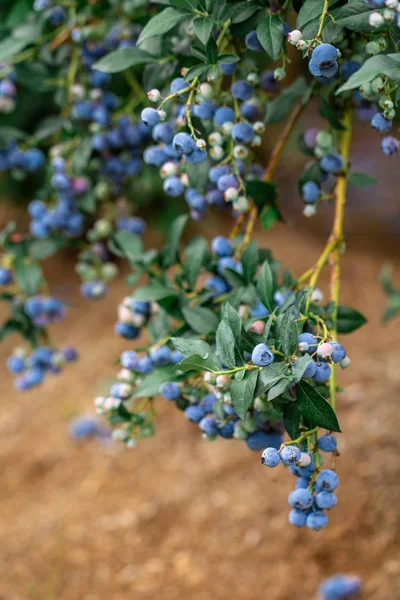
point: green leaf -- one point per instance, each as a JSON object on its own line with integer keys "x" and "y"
{"x": 225, "y": 343}
{"x": 331, "y": 114}
{"x": 242, "y": 392}
{"x": 278, "y": 389}
{"x": 154, "y": 291}
{"x": 9, "y": 327}
{"x": 249, "y": 260}
{"x": 310, "y": 10}
{"x": 174, "y": 239}
{"x": 382, "y": 64}
{"x": 34, "y": 76}
{"x": 292, "y": 419}
{"x": 264, "y": 193}
{"x": 18, "y": 12}
{"x": 129, "y": 244}
{"x": 315, "y": 408}
{"x": 122, "y": 59}
{"x": 212, "y": 51}
{"x": 278, "y": 108}
{"x": 201, "y": 320}
{"x": 269, "y": 216}
{"x": 82, "y": 155}
{"x": 150, "y": 384}
{"x": 268, "y": 326}
{"x": 195, "y": 362}
{"x": 203, "y": 27}
{"x": 198, "y": 175}
{"x": 196, "y": 255}
{"x": 244, "y": 10}
{"x": 349, "y": 319}
{"x": 355, "y": 16}
{"x": 12, "y": 46}
{"x": 227, "y": 59}
{"x": 10, "y": 134}
{"x": 47, "y": 127}
{"x": 394, "y": 33}
{"x": 361, "y": 180}
{"x": 301, "y": 366}
{"x": 161, "y": 23}
{"x": 193, "y": 72}
{"x": 270, "y": 35}
{"x": 40, "y": 249}
{"x": 190, "y": 5}
{"x": 265, "y": 286}
{"x": 288, "y": 332}
{"x": 189, "y": 346}
{"x": 270, "y": 375}
{"x": 28, "y": 276}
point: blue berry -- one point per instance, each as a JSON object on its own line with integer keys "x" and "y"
{"x": 70, "y": 353}
{"x": 5, "y": 276}
{"x": 170, "y": 391}
{"x": 83, "y": 427}
{"x": 228, "y": 68}
{"x": 252, "y": 42}
{"x": 327, "y": 480}
{"x": 340, "y": 586}
{"x": 208, "y": 402}
{"x": 195, "y": 413}
{"x": 297, "y": 517}
{"x": 270, "y": 457}
{"x": 184, "y": 144}
{"x": 227, "y": 262}
{"x": 224, "y": 114}
{"x": 173, "y": 186}
{"x": 160, "y": 355}
{"x": 327, "y": 443}
{"x": 163, "y": 132}
{"x": 218, "y": 285}
{"x": 332, "y": 163}
{"x": 324, "y": 55}
{"x": 145, "y": 365}
{"x": 176, "y": 357}
{"x": 308, "y": 343}
{"x": 290, "y": 455}
{"x": 326, "y": 500}
{"x": 380, "y": 123}
{"x": 196, "y": 157}
{"x": 209, "y": 426}
{"x": 389, "y": 145}
{"x": 15, "y": 364}
{"x": 338, "y": 352}
{"x": 129, "y": 359}
{"x": 302, "y": 483}
{"x": 301, "y": 499}
{"x": 257, "y": 441}
{"x": 241, "y": 90}
{"x": 221, "y": 246}
{"x": 177, "y": 85}
{"x": 150, "y": 117}
{"x": 226, "y": 431}
{"x": 310, "y": 192}
{"x": 322, "y": 372}
{"x": 259, "y": 311}
{"x": 127, "y": 330}
{"x": 317, "y": 520}
{"x": 243, "y": 133}
{"x": 268, "y": 83}
{"x": 262, "y": 355}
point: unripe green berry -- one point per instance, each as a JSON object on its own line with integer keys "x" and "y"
{"x": 373, "y": 48}
{"x": 103, "y": 228}
{"x": 324, "y": 139}
{"x": 377, "y": 84}
{"x": 279, "y": 74}
{"x": 109, "y": 270}
{"x": 389, "y": 114}
{"x": 102, "y": 190}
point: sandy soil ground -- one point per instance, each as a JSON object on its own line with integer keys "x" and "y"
{"x": 182, "y": 518}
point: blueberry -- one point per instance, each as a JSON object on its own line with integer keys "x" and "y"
{"x": 15, "y": 364}
{"x": 317, "y": 520}
{"x": 322, "y": 373}
{"x": 178, "y": 84}
{"x": 195, "y": 200}
{"x": 302, "y": 483}
{"x": 37, "y": 209}
{"x": 259, "y": 311}
{"x": 226, "y": 431}
{"x": 208, "y": 402}
{"x": 33, "y": 306}
{"x": 227, "y": 181}
{"x": 241, "y": 90}
{"x": 250, "y": 111}
{"x": 348, "y": 68}
{"x": 160, "y": 355}
{"x": 270, "y": 457}
{"x": 338, "y": 352}
{"x": 145, "y": 365}
{"x": 34, "y": 376}
{"x": 5, "y": 276}
{"x": 195, "y": 413}
{"x": 257, "y": 441}
{"x": 70, "y": 353}
{"x": 389, "y": 145}
{"x": 327, "y": 443}
{"x": 310, "y": 192}
{"x": 297, "y": 517}
{"x": 268, "y": 83}
{"x": 184, "y": 144}
{"x": 332, "y": 163}
{"x": 380, "y": 123}
{"x": 153, "y": 155}
{"x": 310, "y": 369}
{"x": 204, "y": 111}
{"x": 209, "y": 426}
{"x": 170, "y": 391}
{"x": 301, "y": 499}
{"x": 83, "y": 110}
{"x": 326, "y": 500}
{"x": 127, "y": 330}
{"x": 327, "y": 480}
{"x": 129, "y": 359}
{"x": 252, "y": 42}
{"x": 221, "y": 246}
{"x": 243, "y": 133}
{"x": 308, "y": 343}
{"x": 340, "y": 586}
{"x": 150, "y": 117}
{"x": 262, "y": 355}
{"x": 229, "y": 263}
{"x": 228, "y": 68}
{"x": 163, "y": 132}
{"x": 34, "y": 159}
{"x": 196, "y": 157}
{"x": 83, "y": 427}
{"x": 324, "y": 55}
{"x": 224, "y": 114}
{"x": 290, "y": 455}
{"x": 218, "y": 285}
{"x": 173, "y": 186}
{"x": 323, "y": 74}
{"x": 274, "y": 440}
{"x": 176, "y": 357}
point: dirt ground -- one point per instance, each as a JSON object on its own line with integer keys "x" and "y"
{"x": 182, "y": 518}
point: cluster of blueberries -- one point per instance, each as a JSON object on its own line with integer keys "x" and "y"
{"x": 339, "y": 587}
{"x": 88, "y": 426}
{"x": 27, "y": 161}
{"x": 8, "y": 93}
{"x": 32, "y": 369}
{"x": 65, "y": 217}
{"x": 314, "y": 491}
{"x": 175, "y": 150}
{"x": 44, "y": 310}
{"x": 390, "y": 14}
{"x": 322, "y": 353}
{"x": 132, "y": 316}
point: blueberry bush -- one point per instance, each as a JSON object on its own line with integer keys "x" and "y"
{"x": 102, "y": 102}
